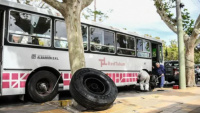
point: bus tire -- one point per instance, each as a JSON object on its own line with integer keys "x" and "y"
{"x": 93, "y": 89}
{"x": 40, "y": 86}
{"x": 153, "y": 82}
{"x": 151, "y": 86}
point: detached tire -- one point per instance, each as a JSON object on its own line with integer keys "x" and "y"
{"x": 93, "y": 89}
{"x": 40, "y": 86}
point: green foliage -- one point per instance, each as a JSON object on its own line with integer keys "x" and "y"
{"x": 148, "y": 35}
{"x": 157, "y": 38}
{"x": 171, "y": 51}
{"x": 89, "y": 13}
{"x": 169, "y": 7}
{"x": 125, "y": 28}
{"x": 197, "y": 57}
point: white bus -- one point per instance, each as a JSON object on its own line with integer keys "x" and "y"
{"x": 34, "y": 40}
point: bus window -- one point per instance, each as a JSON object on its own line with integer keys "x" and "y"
{"x": 29, "y": 29}
{"x": 41, "y": 26}
{"x": 161, "y": 54}
{"x": 146, "y": 46}
{"x": 20, "y": 23}
{"x": 139, "y": 45}
{"x": 102, "y": 40}
{"x": 85, "y": 36}
{"x": 125, "y": 45}
{"x": 143, "y": 48}
{"x": 60, "y": 38}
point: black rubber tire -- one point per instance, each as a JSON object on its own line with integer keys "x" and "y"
{"x": 33, "y": 82}
{"x": 151, "y": 86}
{"x": 152, "y": 83}
{"x": 196, "y": 79}
{"x": 83, "y": 84}
{"x": 176, "y": 82}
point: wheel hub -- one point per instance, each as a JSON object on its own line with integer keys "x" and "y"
{"x": 43, "y": 87}
{"x": 95, "y": 85}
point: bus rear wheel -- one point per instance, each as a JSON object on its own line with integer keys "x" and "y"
{"x": 41, "y": 86}
{"x": 153, "y": 82}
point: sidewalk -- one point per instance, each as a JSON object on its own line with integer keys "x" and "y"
{"x": 168, "y": 101}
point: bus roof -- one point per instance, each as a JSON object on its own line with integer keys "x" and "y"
{"x": 58, "y": 15}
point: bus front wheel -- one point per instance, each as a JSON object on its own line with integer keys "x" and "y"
{"x": 42, "y": 86}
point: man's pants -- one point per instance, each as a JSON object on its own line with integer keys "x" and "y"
{"x": 162, "y": 81}
{"x": 144, "y": 83}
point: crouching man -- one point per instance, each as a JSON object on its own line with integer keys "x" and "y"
{"x": 144, "y": 80}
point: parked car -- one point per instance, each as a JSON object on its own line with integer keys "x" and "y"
{"x": 196, "y": 72}
{"x": 172, "y": 71}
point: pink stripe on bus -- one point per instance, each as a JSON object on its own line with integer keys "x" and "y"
{"x": 117, "y": 75}
{"x": 22, "y": 84}
{"x": 14, "y": 76}
{"x": 16, "y": 85}
{"x": 6, "y": 76}
{"x": 66, "y": 82}
{"x": 114, "y": 79}
{"x": 25, "y": 78}
{"x": 66, "y": 76}
{"x": 5, "y": 85}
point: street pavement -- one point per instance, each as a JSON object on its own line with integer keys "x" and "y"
{"x": 129, "y": 101}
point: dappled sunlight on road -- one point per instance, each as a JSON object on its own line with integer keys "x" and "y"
{"x": 169, "y": 100}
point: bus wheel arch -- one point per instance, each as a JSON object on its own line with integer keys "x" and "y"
{"x": 46, "y": 68}
{"x": 49, "y": 77}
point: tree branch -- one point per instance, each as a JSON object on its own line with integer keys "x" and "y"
{"x": 168, "y": 21}
{"x": 55, "y": 4}
{"x": 196, "y": 30}
{"x": 171, "y": 23}
{"x": 85, "y": 3}
{"x": 18, "y": 1}
{"x": 197, "y": 41}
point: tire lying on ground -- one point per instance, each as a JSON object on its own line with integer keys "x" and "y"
{"x": 93, "y": 89}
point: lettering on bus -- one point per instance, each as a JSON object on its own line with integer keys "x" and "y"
{"x": 109, "y": 63}
{"x": 48, "y": 57}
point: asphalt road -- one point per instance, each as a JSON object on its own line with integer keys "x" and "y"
{"x": 13, "y": 101}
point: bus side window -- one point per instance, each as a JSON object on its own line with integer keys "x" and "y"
{"x": 35, "y": 41}
{"x": 125, "y": 45}
{"x": 102, "y": 40}
{"x": 143, "y": 48}
{"x": 29, "y": 29}
{"x": 60, "y": 38}
{"x": 16, "y": 38}
{"x": 85, "y": 36}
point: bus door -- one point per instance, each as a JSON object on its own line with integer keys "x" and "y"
{"x": 157, "y": 55}
{"x": 2, "y": 12}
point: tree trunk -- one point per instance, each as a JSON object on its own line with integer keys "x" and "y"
{"x": 190, "y": 75}
{"x": 71, "y": 10}
{"x": 75, "y": 41}
{"x": 95, "y": 9}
